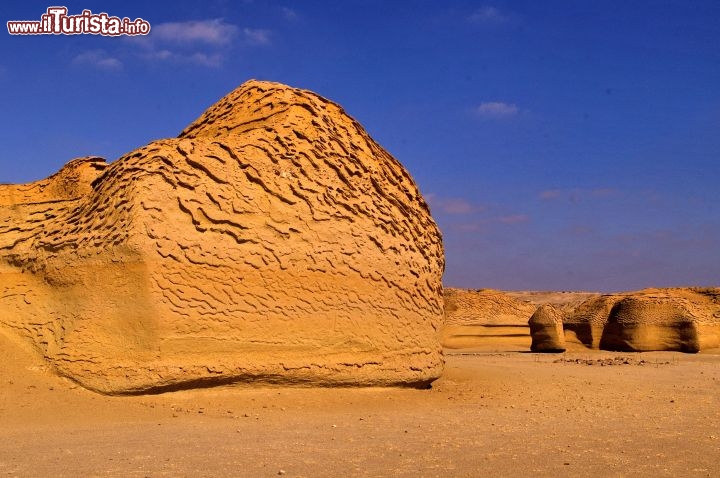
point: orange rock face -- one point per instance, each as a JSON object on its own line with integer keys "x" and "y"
{"x": 272, "y": 241}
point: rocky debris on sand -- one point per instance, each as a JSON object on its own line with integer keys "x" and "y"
{"x": 609, "y": 361}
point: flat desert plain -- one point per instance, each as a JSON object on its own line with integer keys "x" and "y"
{"x": 493, "y": 413}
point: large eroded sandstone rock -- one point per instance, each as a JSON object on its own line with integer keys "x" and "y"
{"x": 272, "y": 241}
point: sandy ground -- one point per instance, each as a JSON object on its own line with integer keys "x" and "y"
{"x": 492, "y": 414}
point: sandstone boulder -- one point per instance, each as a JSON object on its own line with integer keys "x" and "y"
{"x": 682, "y": 319}
{"x": 546, "y": 330}
{"x": 272, "y": 241}
{"x": 585, "y": 324}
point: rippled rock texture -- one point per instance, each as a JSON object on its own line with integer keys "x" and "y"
{"x": 272, "y": 241}
{"x": 546, "y": 329}
{"x": 681, "y": 319}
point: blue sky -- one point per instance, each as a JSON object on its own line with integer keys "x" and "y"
{"x": 568, "y": 145}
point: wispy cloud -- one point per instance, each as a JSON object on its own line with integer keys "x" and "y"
{"x": 550, "y": 194}
{"x": 476, "y": 226}
{"x": 197, "y": 42}
{"x": 497, "y": 109}
{"x": 256, "y": 36}
{"x": 513, "y": 219}
{"x": 575, "y": 195}
{"x": 211, "y": 32}
{"x": 488, "y": 225}
{"x": 488, "y": 14}
{"x": 465, "y": 216}
{"x": 451, "y": 206}
{"x": 695, "y": 236}
{"x": 213, "y": 60}
{"x": 99, "y": 59}
{"x": 289, "y": 13}
{"x": 208, "y": 59}
{"x": 579, "y": 230}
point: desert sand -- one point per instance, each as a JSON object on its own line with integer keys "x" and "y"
{"x": 490, "y": 414}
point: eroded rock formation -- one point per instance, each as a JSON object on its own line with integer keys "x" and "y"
{"x": 273, "y": 240}
{"x": 546, "y": 329}
{"x": 679, "y": 319}
{"x": 485, "y": 318}
{"x": 683, "y": 319}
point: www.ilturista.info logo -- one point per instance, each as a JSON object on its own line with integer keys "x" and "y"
{"x": 57, "y": 22}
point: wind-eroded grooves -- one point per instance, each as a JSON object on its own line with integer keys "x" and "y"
{"x": 273, "y": 240}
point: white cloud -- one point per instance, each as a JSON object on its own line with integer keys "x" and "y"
{"x": 497, "y": 109}
{"x": 514, "y": 219}
{"x": 196, "y": 42}
{"x": 488, "y": 14}
{"x": 575, "y": 195}
{"x": 289, "y": 13}
{"x": 99, "y": 59}
{"x": 212, "y": 60}
{"x": 160, "y": 55}
{"x": 256, "y": 36}
{"x": 550, "y": 194}
{"x": 210, "y": 32}
{"x": 451, "y": 206}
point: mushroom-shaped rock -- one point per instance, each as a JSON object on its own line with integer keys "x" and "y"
{"x": 272, "y": 241}
{"x": 546, "y": 329}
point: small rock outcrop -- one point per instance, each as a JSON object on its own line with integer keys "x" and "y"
{"x": 272, "y": 241}
{"x": 546, "y": 330}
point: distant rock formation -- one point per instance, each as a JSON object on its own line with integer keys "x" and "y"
{"x": 681, "y": 319}
{"x": 546, "y": 330}
{"x": 485, "y": 318}
{"x": 272, "y": 241}
{"x": 498, "y": 320}
{"x": 564, "y": 301}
